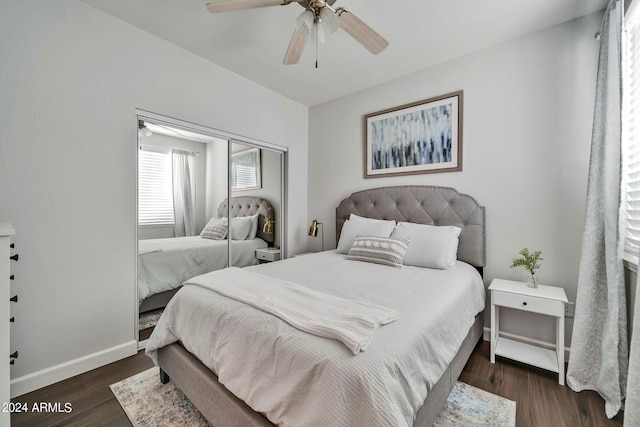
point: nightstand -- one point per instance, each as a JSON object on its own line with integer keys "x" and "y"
{"x": 268, "y": 254}
{"x": 547, "y": 300}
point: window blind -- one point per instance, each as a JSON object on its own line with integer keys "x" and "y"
{"x": 245, "y": 169}
{"x": 631, "y": 130}
{"x": 155, "y": 191}
{"x": 246, "y": 176}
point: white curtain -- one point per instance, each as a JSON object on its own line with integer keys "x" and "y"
{"x": 184, "y": 193}
{"x": 632, "y": 404}
{"x": 599, "y": 352}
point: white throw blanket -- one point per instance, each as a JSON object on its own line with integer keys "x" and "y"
{"x": 351, "y": 322}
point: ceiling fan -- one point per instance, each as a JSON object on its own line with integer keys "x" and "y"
{"x": 318, "y": 20}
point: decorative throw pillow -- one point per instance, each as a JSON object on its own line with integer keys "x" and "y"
{"x": 354, "y": 228}
{"x": 379, "y": 250}
{"x": 213, "y": 221}
{"x": 215, "y": 232}
{"x": 431, "y": 246}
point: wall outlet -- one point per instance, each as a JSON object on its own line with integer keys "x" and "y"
{"x": 569, "y": 309}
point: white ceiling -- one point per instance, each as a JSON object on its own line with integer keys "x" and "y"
{"x": 421, "y": 34}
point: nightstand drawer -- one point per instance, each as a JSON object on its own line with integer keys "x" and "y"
{"x": 528, "y": 303}
{"x": 267, "y": 255}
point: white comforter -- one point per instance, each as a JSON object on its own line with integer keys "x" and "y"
{"x": 164, "y": 264}
{"x": 298, "y": 379}
{"x": 350, "y": 322}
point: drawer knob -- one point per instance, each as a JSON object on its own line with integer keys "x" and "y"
{"x": 524, "y": 303}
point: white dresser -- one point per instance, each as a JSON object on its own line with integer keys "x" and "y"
{"x": 6, "y": 231}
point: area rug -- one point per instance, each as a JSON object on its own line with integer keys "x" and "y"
{"x": 147, "y": 402}
{"x": 149, "y": 319}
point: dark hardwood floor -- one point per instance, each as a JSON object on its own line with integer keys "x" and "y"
{"x": 144, "y": 334}
{"x": 541, "y": 401}
{"x": 93, "y": 403}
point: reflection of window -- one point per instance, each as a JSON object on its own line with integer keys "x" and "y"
{"x": 245, "y": 169}
{"x": 631, "y": 130}
{"x": 155, "y": 193}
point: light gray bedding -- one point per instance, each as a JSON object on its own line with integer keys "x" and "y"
{"x": 296, "y": 378}
{"x": 164, "y": 264}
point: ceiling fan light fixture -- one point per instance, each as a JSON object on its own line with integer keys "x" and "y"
{"x": 318, "y": 20}
{"x": 143, "y": 130}
{"x": 330, "y": 20}
{"x": 306, "y": 18}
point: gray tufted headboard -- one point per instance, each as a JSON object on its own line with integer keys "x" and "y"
{"x": 423, "y": 205}
{"x": 247, "y": 206}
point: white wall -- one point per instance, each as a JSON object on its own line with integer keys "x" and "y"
{"x": 71, "y": 80}
{"x": 217, "y": 176}
{"x": 527, "y": 121}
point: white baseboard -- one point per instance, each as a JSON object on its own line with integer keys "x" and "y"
{"x": 45, "y": 377}
{"x": 550, "y": 346}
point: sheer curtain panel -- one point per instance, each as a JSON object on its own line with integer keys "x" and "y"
{"x": 632, "y": 137}
{"x": 599, "y": 352}
{"x": 632, "y": 404}
{"x": 184, "y": 193}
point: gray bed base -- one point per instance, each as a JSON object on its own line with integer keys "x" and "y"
{"x": 417, "y": 204}
{"x": 223, "y": 409}
{"x": 157, "y": 301}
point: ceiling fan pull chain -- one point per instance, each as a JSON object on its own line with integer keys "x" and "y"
{"x": 316, "y": 25}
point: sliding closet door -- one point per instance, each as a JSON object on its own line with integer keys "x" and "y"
{"x": 189, "y": 179}
{"x": 182, "y": 184}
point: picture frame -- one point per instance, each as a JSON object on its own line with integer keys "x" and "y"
{"x": 417, "y": 138}
{"x": 246, "y": 169}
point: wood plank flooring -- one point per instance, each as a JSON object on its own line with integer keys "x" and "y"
{"x": 541, "y": 401}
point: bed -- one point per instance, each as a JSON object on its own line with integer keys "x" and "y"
{"x": 164, "y": 264}
{"x": 391, "y": 383}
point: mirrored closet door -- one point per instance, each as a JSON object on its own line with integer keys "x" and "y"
{"x": 206, "y": 200}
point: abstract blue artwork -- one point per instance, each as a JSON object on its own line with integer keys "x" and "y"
{"x": 422, "y": 137}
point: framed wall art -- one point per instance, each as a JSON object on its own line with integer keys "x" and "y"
{"x": 246, "y": 170}
{"x": 421, "y": 137}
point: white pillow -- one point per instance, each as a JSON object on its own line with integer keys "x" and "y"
{"x": 213, "y": 222}
{"x": 354, "y": 217}
{"x": 370, "y": 227}
{"x": 240, "y": 227}
{"x": 431, "y": 246}
{"x": 254, "y": 227}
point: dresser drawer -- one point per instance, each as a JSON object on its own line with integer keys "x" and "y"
{"x": 528, "y": 303}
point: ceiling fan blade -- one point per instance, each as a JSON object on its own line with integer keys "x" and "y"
{"x": 219, "y": 6}
{"x": 364, "y": 34}
{"x": 296, "y": 45}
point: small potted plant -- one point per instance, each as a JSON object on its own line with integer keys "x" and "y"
{"x": 529, "y": 261}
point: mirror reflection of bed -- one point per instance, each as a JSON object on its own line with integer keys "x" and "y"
{"x": 165, "y": 263}
{"x": 183, "y": 210}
